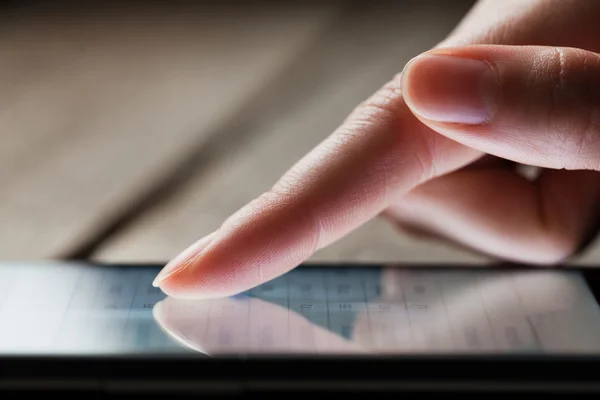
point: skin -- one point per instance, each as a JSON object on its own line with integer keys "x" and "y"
{"x": 435, "y": 150}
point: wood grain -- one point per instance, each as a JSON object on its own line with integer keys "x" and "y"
{"x": 102, "y": 100}
{"x": 363, "y": 50}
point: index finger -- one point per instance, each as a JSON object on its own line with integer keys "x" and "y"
{"x": 378, "y": 153}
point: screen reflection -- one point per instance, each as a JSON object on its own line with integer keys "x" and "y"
{"x": 59, "y": 308}
{"x": 393, "y": 311}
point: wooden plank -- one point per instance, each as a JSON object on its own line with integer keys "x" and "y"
{"x": 364, "y": 49}
{"x": 101, "y": 100}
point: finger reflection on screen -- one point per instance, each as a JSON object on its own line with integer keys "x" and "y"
{"x": 480, "y": 311}
{"x": 246, "y": 326}
{"x": 394, "y": 311}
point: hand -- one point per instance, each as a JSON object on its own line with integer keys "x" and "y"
{"x": 435, "y": 150}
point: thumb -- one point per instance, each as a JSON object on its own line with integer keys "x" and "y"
{"x": 530, "y": 104}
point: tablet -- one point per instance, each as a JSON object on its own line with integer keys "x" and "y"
{"x": 105, "y": 327}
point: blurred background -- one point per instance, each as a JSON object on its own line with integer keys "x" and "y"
{"x": 130, "y": 129}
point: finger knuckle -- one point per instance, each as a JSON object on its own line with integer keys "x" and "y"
{"x": 386, "y": 108}
{"x": 574, "y": 112}
{"x": 383, "y": 105}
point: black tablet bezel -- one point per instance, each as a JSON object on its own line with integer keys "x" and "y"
{"x": 194, "y": 374}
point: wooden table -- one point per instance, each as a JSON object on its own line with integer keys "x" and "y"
{"x": 129, "y": 130}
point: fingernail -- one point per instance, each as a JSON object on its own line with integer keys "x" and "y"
{"x": 450, "y": 89}
{"x": 184, "y": 259}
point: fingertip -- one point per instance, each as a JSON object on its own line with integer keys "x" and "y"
{"x": 183, "y": 259}
{"x": 206, "y": 278}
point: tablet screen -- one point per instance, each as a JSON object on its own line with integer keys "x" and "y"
{"x": 58, "y": 308}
